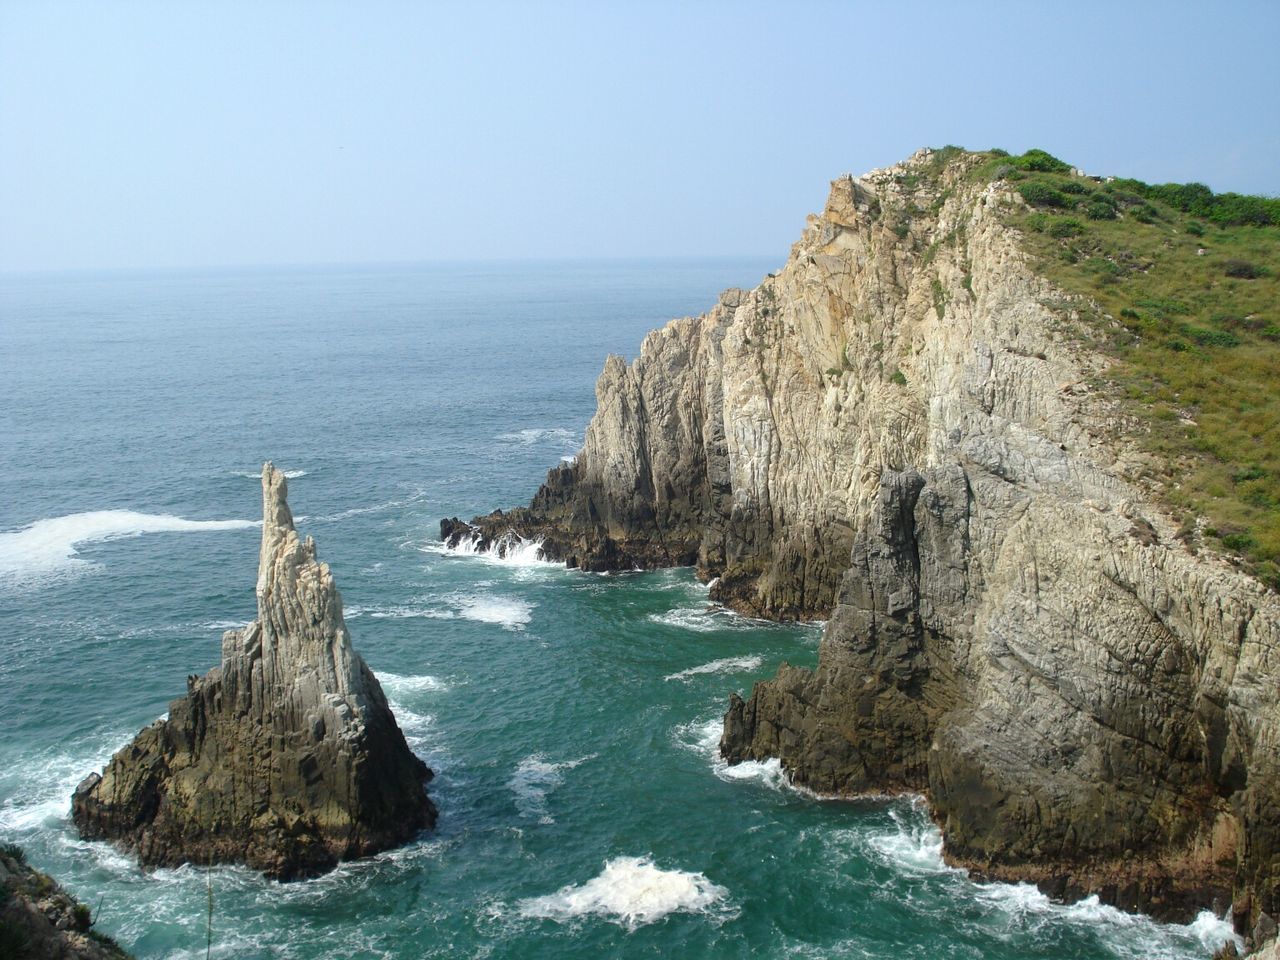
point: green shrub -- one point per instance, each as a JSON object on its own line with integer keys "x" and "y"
{"x": 1041, "y": 162}
{"x": 1243, "y": 269}
{"x": 1065, "y": 227}
{"x": 899, "y": 378}
{"x": 11, "y": 851}
{"x": 1039, "y": 222}
{"x": 1195, "y": 228}
{"x": 1100, "y": 211}
{"x": 84, "y": 920}
{"x": 1040, "y": 194}
{"x": 1213, "y": 338}
{"x": 1073, "y": 186}
{"x": 1238, "y": 542}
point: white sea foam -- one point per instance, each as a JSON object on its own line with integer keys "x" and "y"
{"x": 630, "y": 891}
{"x": 47, "y": 547}
{"x": 703, "y": 736}
{"x": 416, "y": 727}
{"x": 724, "y": 665}
{"x": 43, "y": 796}
{"x": 531, "y": 436}
{"x": 534, "y": 778}
{"x": 223, "y": 624}
{"x": 510, "y": 551}
{"x": 407, "y": 613}
{"x": 257, "y": 474}
{"x": 506, "y": 612}
{"x": 913, "y": 846}
{"x": 396, "y": 685}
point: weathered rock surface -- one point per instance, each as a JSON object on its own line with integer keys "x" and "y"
{"x": 41, "y": 921}
{"x": 286, "y": 757}
{"x": 899, "y": 430}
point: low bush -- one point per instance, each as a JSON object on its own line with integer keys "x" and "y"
{"x": 1041, "y": 162}
{"x": 1100, "y": 211}
{"x": 1040, "y": 194}
{"x": 1065, "y": 227}
{"x": 1243, "y": 269}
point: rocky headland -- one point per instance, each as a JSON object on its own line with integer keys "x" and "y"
{"x": 905, "y": 431}
{"x": 286, "y": 757}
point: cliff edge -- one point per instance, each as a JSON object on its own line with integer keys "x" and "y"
{"x": 286, "y": 757}
{"x": 904, "y": 430}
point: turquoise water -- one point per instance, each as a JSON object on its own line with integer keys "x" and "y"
{"x": 571, "y": 718}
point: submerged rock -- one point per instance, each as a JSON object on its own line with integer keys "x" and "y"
{"x": 286, "y": 757}
{"x": 901, "y": 431}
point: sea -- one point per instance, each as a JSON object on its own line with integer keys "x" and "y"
{"x": 572, "y": 719}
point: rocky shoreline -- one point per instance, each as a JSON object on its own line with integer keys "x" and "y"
{"x": 286, "y": 757}
{"x": 900, "y": 431}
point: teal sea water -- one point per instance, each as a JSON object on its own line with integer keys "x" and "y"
{"x": 571, "y": 718}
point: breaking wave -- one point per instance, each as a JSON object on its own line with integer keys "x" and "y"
{"x": 511, "y": 551}
{"x": 631, "y": 891}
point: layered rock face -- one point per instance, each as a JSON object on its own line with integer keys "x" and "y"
{"x": 898, "y": 430}
{"x": 286, "y": 757}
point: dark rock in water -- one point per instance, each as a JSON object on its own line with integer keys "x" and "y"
{"x": 285, "y": 758}
{"x": 41, "y": 921}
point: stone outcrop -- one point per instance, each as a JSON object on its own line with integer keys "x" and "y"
{"x": 41, "y": 921}
{"x": 286, "y": 757}
{"x": 899, "y": 430}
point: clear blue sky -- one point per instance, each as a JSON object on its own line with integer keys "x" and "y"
{"x": 210, "y": 133}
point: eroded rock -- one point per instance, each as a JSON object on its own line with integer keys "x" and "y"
{"x": 286, "y": 757}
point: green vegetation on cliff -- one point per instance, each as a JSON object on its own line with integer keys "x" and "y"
{"x": 1187, "y": 286}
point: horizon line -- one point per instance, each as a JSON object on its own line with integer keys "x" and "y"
{"x": 32, "y": 272}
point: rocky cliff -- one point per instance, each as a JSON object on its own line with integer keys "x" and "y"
{"x": 41, "y": 921}
{"x": 901, "y": 430}
{"x": 286, "y": 757}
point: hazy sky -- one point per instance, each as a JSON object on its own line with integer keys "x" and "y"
{"x": 208, "y": 133}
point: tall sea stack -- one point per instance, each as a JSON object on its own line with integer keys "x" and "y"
{"x": 286, "y": 757}
{"x": 907, "y": 430}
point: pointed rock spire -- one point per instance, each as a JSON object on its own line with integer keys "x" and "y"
{"x": 286, "y": 757}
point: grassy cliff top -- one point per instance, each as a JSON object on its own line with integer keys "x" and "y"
{"x": 1182, "y": 288}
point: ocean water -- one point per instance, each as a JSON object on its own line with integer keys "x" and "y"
{"x": 571, "y": 718}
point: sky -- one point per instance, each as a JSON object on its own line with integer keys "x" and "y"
{"x": 194, "y": 134}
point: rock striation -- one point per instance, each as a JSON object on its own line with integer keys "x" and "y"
{"x": 286, "y": 757}
{"x": 900, "y": 431}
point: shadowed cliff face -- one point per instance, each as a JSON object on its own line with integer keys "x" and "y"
{"x": 899, "y": 430}
{"x": 286, "y": 757}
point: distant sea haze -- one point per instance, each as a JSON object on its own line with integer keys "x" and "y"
{"x": 572, "y": 719}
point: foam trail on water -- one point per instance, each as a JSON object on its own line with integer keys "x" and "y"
{"x": 630, "y": 891}
{"x": 397, "y": 685}
{"x": 725, "y": 665}
{"x": 535, "y": 435}
{"x": 47, "y": 547}
{"x": 534, "y": 778}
